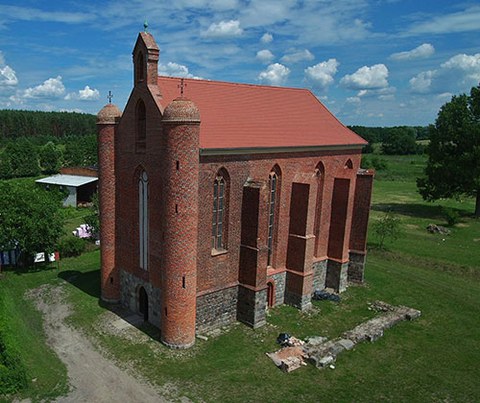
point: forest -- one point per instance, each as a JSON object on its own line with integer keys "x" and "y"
{"x": 21, "y": 123}
{"x": 34, "y": 143}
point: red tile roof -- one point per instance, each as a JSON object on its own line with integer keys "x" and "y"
{"x": 256, "y": 116}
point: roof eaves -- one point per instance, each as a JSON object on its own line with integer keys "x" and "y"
{"x": 272, "y": 150}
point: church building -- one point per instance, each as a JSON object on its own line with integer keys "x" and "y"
{"x": 219, "y": 200}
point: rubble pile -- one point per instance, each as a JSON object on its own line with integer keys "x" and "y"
{"x": 322, "y": 352}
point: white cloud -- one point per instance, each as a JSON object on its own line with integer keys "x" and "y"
{"x": 8, "y": 76}
{"x": 322, "y": 73}
{"x": 468, "y": 64}
{"x": 458, "y": 73}
{"x": 266, "y": 38}
{"x": 51, "y": 88}
{"x": 265, "y": 56}
{"x": 381, "y": 93}
{"x": 297, "y": 56}
{"x": 275, "y": 74}
{"x": 87, "y": 94}
{"x": 35, "y": 14}
{"x": 354, "y": 100}
{"x": 420, "y": 52}
{"x": 223, "y": 29}
{"x": 175, "y": 70}
{"x": 367, "y": 78}
{"x": 462, "y": 21}
{"x": 422, "y": 82}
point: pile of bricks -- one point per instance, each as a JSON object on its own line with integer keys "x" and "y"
{"x": 322, "y": 352}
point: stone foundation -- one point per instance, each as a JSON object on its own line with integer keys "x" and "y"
{"x": 216, "y": 309}
{"x": 129, "y": 296}
{"x": 319, "y": 275}
{"x": 252, "y": 306}
{"x": 279, "y": 281}
{"x": 302, "y": 302}
{"x": 337, "y": 275}
{"x": 356, "y": 267}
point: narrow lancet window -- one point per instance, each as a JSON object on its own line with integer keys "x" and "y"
{"x": 273, "y": 184}
{"x": 218, "y": 213}
{"x": 143, "y": 220}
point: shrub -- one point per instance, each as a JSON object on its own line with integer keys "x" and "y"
{"x": 13, "y": 375}
{"x": 71, "y": 246}
{"x": 451, "y": 216}
{"x": 386, "y": 228}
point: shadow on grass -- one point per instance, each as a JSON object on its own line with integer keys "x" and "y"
{"x": 413, "y": 210}
{"x": 89, "y": 283}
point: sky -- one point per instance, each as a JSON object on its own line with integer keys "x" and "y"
{"x": 371, "y": 62}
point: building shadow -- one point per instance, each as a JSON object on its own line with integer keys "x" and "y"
{"x": 434, "y": 212}
{"x": 89, "y": 283}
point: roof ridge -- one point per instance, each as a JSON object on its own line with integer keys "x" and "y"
{"x": 229, "y": 83}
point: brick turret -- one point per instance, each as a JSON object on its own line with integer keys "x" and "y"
{"x": 181, "y": 127}
{"x": 107, "y": 120}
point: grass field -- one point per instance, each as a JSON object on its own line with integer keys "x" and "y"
{"x": 434, "y": 358}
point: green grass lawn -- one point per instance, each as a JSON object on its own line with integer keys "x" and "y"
{"x": 434, "y": 358}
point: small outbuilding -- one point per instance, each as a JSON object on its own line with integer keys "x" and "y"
{"x": 80, "y": 183}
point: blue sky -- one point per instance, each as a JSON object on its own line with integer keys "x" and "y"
{"x": 371, "y": 62}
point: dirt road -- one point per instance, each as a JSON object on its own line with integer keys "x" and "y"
{"x": 93, "y": 378}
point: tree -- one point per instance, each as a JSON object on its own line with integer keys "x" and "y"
{"x": 386, "y": 228}
{"x": 453, "y": 167}
{"x": 5, "y": 166}
{"x": 23, "y": 158}
{"x": 399, "y": 141}
{"x": 93, "y": 219}
{"x": 30, "y": 217}
{"x": 50, "y": 158}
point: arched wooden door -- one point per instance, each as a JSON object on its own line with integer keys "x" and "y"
{"x": 270, "y": 294}
{"x": 143, "y": 303}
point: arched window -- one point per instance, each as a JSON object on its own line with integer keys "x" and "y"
{"x": 274, "y": 182}
{"x": 141, "y": 118}
{"x": 320, "y": 174}
{"x": 143, "y": 219}
{"x": 349, "y": 164}
{"x": 139, "y": 68}
{"x": 220, "y": 206}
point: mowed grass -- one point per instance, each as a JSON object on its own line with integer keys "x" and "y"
{"x": 434, "y": 358}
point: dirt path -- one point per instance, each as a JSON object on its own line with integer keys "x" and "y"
{"x": 93, "y": 378}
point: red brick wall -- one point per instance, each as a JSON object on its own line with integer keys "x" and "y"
{"x": 129, "y": 163}
{"x": 110, "y": 285}
{"x": 361, "y": 211}
{"x": 180, "y": 217}
{"x": 216, "y": 270}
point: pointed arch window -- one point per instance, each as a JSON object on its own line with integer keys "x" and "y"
{"x": 143, "y": 219}
{"x": 219, "y": 216}
{"x": 274, "y": 181}
{"x": 140, "y": 67}
{"x": 317, "y": 228}
{"x": 141, "y": 125}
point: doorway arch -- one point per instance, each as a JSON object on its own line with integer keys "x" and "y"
{"x": 143, "y": 303}
{"x": 270, "y": 294}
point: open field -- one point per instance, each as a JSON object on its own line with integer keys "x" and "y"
{"x": 434, "y": 358}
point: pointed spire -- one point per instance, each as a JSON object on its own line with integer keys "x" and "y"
{"x": 145, "y": 26}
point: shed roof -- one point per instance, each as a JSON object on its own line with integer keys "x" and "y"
{"x": 67, "y": 180}
{"x": 245, "y": 116}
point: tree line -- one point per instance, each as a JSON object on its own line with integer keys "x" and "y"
{"x": 26, "y": 157}
{"x": 21, "y": 123}
{"x": 397, "y": 140}
{"x": 34, "y": 143}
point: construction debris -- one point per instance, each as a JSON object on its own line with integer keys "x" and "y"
{"x": 322, "y": 352}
